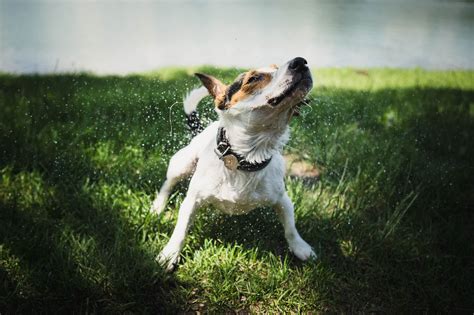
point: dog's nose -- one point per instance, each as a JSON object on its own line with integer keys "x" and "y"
{"x": 298, "y": 64}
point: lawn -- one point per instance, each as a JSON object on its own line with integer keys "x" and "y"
{"x": 391, "y": 214}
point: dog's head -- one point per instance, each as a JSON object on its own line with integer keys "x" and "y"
{"x": 263, "y": 95}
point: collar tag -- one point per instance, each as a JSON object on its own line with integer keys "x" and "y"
{"x": 231, "y": 162}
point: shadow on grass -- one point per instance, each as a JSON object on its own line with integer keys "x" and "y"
{"x": 75, "y": 257}
{"x": 407, "y": 245}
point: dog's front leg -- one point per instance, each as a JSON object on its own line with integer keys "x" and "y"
{"x": 181, "y": 165}
{"x": 170, "y": 254}
{"x": 298, "y": 246}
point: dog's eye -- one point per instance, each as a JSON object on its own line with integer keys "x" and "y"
{"x": 254, "y": 78}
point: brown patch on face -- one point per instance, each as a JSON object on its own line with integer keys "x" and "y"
{"x": 274, "y": 66}
{"x": 220, "y": 102}
{"x": 251, "y": 83}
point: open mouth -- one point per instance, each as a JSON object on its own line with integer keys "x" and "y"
{"x": 303, "y": 83}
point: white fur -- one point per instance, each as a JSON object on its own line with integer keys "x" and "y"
{"x": 255, "y": 131}
{"x": 192, "y": 100}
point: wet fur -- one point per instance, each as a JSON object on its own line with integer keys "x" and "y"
{"x": 256, "y": 130}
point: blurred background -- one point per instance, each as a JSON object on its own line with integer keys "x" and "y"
{"x": 42, "y": 36}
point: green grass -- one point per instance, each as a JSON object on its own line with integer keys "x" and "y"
{"x": 391, "y": 216}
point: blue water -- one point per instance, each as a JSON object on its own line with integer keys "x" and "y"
{"x": 123, "y": 37}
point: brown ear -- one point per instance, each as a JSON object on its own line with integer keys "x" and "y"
{"x": 215, "y": 87}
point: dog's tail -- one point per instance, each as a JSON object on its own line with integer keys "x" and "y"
{"x": 190, "y": 103}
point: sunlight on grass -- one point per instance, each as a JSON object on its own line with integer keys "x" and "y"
{"x": 238, "y": 278}
{"x": 27, "y": 190}
{"x": 377, "y": 79}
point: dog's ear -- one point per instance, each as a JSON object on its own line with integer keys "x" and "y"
{"x": 215, "y": 87}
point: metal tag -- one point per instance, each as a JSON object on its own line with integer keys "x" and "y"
{"x": 231, "y": 162}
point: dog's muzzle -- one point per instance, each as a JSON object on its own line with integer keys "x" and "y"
{"x": 298, "y": 64}
{"x": 301, "y": 80}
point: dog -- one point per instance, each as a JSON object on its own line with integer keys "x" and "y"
{"x": 236, "y": 162}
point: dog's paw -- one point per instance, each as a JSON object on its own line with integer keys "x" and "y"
{"x": 302, "y": 250}
{"x": 168, "y": 258}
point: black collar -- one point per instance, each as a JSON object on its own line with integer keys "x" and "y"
{"x": 233, "y": 160}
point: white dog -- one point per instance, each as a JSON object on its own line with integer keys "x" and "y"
{"x": 237, "y": 161}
